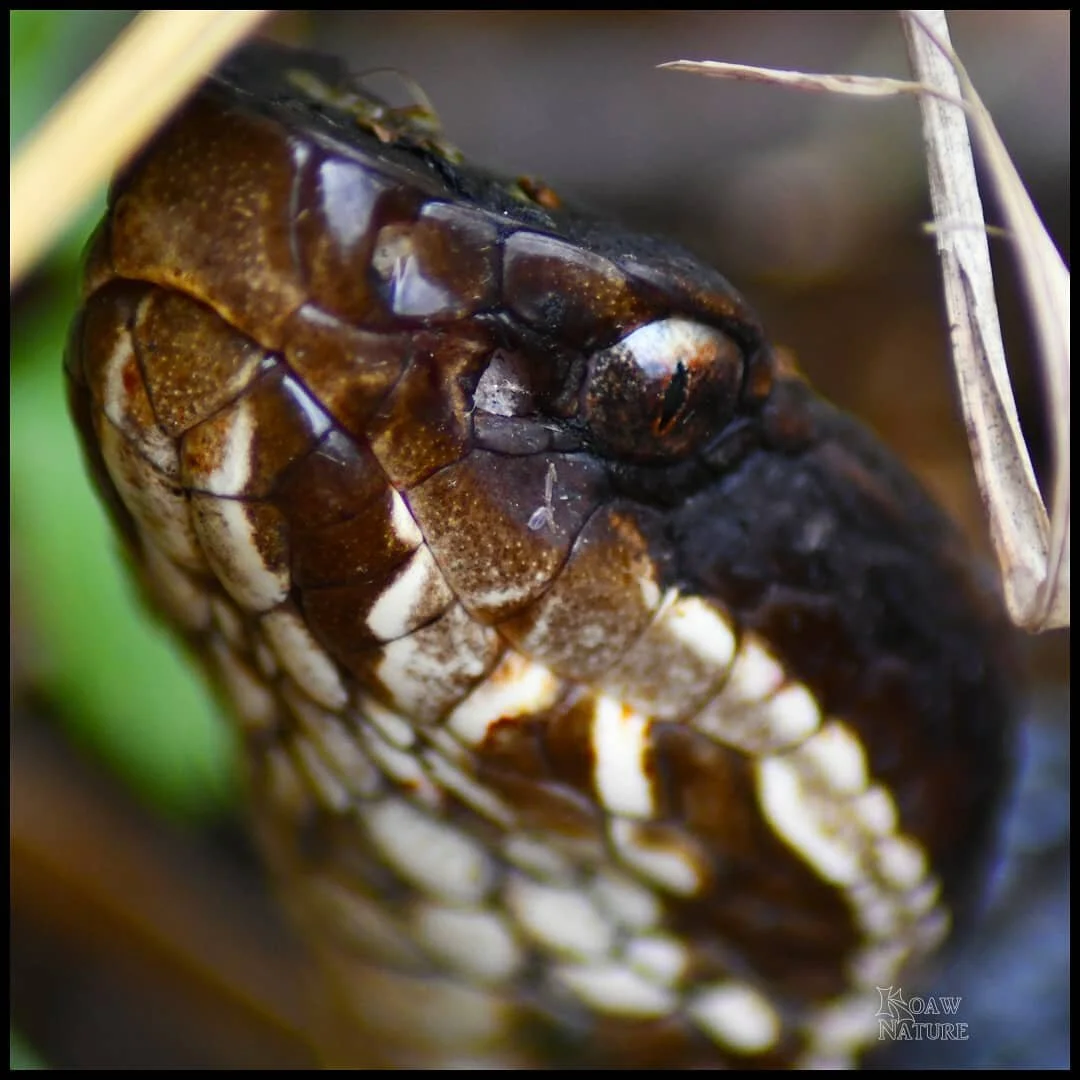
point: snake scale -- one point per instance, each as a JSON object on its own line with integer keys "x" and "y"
{"x": 608, "y": 698}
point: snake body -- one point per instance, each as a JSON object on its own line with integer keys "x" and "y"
{"x": 607, "y": 697}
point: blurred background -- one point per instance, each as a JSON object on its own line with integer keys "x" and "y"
{"x": 142, "y": 933}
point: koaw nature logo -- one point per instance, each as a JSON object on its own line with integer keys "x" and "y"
{"x": 917, "y": 1019}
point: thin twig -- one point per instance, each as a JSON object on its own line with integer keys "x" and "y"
{"x": 867, "y": 86}
{"x": 1034, "y": 560}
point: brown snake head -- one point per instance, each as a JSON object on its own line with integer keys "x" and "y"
{"x": 608, "y": 698}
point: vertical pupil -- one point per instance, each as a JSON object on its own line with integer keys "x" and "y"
{"x": 674, "y": 398}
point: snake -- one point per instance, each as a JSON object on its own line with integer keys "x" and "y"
{"x": 607, "y": 698}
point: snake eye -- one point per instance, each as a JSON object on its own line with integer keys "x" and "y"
{"x": 663, "y": 390}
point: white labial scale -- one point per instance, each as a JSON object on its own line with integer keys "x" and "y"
{"x": 620, "y": 744}
{"x": 516, "y": 687}
{"x": 796, "y": 817}
{"x": 834, "y": 761}
{"x": 452, "y": 749}
{"x": 232, "y": 470}
{"x": 667, "y": 867}
{"x": 427, "y": 670}
{"x": 116, "y": 401}
{"x": 703, "y": 630}
{"x": 650, "y": 592}
{"x": 403, "y": 523}
{"x": 227, "y": 534}
{"x": 879, "y": 965}
{"x": 325, "y": 782}
{"x": 256, "y": 708}
{"x": 901, "y": 862}
{"x": 218, "y": 454}
{"x": 304, "y": 659}
{"x": 416, "y": 595}
{"x": 738, "y": 1016}
{"x": 356, "y": 770}
{"x": 659, "y": 957}
{"x": 508, "y": 593}
{"x": 158, "y": 505}
{"x": 469, "y": 791}
{"x": 537, "y": 858}
{"x": 627, "y": 902}
{"x": 401, "y": 767}
{"x": 338, "y": 748}
{"x": 819, "y": 800}
{"x": 834, "y": 758}
{"x": 755, "y": 712}
{"x": 616, "y": 989}
{"x": 434, "y": 856}
{"x": 876, "y": 912}
{"x": 755, "y": 675}
{"x": 182, "y": 598}
{"x": 932, "y": 929}
{"x": 680, "y": 661}
{"x": 561, "y": 919}
{"x": 121, "y": 370}
{"x": 899, "y": 926}
{"x": 673, "y": 668}
{"x": 476, "y": 943}
{"x": 228, "y": 622}
{"x": 540, "y": 640}
{"x": 839, "y": 1031}
{"x": 392, "y": 726}
{"x": 789, "y": 717}
{"x": 875, "y": 810}
{"x": 923, "y": 898}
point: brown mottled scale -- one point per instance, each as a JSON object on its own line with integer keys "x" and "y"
{"x": 608, "y": 698}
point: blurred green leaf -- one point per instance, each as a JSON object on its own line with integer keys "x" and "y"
{"x": 20, "y": 1056}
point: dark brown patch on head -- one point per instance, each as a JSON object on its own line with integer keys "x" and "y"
{"x": 208, "y": 212}
{"x": 348, "y": 370}
{"x": 193, "y": 361}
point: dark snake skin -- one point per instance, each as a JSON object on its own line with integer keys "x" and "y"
{"x": 608, "y": 697}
